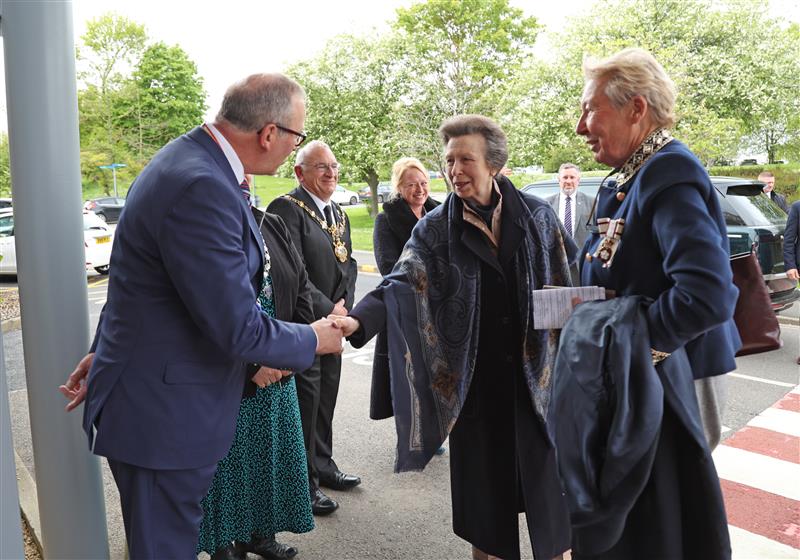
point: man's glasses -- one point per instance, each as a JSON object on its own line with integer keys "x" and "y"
{"x": 334, "y": 167}
{"x": 301, "y": 136}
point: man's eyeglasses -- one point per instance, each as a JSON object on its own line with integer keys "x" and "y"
{"x": 334, "y": 167}
{"x": 301, "y": 136}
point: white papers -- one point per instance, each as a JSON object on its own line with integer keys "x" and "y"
{"x": 553, "y": 306}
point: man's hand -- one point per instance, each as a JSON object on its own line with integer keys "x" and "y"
{"x": 349, "y": 325}
{"x": 329, "y": 337}
{"x": 75, "y": 387}
{"x": 266, "y": 376}
{"x": 792, "y": 274}
{"x": 339, "y": 308}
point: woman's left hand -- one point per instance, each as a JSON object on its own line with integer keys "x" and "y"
{"x": 266, "y": 376}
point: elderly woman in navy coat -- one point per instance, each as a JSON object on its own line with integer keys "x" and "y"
{"x": 464, "y": 357}
{"x": 661, "y": 234}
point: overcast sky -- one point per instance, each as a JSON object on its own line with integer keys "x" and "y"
{"x": 231, "y": 39}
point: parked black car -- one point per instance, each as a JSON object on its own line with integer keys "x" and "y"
{"x": 384, "y": 190}
{"x": 751, "y": 218}
{"x": 107, "y": 208}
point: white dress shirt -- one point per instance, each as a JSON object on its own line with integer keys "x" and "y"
{"x": 230, "y": 153}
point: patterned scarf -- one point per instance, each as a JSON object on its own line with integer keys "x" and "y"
{"x": 433, "y": 314}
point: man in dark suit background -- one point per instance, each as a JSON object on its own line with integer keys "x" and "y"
{"x": 768, "y": 178}
{"x": 791, "y": 245}
{"x": 572, "y": 207}
{"x": 321, "y": 232}
{"x": 167, "y": 369}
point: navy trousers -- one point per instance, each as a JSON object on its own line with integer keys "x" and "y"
{"x": 161, "y": 509}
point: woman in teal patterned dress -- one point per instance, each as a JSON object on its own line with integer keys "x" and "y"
{"x": 261, "y": 487}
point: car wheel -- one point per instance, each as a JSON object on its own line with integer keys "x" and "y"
{"x": 353, "y": 201}
{"x": 102, "y": 217}
{"x": 380, "y": 199}
{"x": 102, "y": 269}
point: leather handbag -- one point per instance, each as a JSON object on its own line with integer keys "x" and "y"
{"x": 754, "y": 317}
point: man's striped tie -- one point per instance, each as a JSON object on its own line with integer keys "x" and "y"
{"x": 568, "y": 215}
{"x": 246, "y": 191}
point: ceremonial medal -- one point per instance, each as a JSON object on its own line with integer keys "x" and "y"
{"x": 610, "y": 232}
{"x": 340, "y": 251}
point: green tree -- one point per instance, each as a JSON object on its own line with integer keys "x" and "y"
{"x": 166, "y": 99}
{"x": 353, "y": 87}
{"x": 735, "y": 67}
{"x": 5, "y": 166}
{"x": 110, "y": 47}
{"x": 460, "y": 52}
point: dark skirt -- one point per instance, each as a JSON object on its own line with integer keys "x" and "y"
{"x": 380, "y": 399}
{"x": 677, "y": 516}
{"x": 500, "y": 466}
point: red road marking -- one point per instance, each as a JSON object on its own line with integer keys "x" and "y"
{"x": 763, "y": 513}
{"x": 766, "y": 442}
{"x": 790, "y": 402}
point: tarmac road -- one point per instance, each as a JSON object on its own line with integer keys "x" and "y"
{"x": 392, "y": 516}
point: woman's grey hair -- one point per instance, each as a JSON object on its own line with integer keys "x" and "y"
{"x": 635, "y": 72}
{"x": 496, "y": 142}
{"x": 260, "y": 99}
{"x": 312, "y": 146}
{"x": 401, "y": 166}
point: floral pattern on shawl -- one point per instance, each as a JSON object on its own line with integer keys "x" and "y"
{"x": 433, "y": 310}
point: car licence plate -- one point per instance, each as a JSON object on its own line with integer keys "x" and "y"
{"x": 104, "y": 239}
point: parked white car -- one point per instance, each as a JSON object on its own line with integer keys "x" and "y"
{"x": 97, "y": 241}
{"x": 343, "y": 197}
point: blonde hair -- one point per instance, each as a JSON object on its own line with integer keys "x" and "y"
{"x": 401, "y": 166}
{"x": 633, "y": 72}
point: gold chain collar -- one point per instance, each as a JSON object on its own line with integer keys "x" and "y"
{"x": 336, "y": 231}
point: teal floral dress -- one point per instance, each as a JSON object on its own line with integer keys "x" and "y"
{"x": 261, "y": 486}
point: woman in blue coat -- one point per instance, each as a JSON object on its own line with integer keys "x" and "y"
{"x": 661, "y": 234}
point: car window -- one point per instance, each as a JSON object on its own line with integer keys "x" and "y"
{"x": 757, "y": 210}
{"x": 6, "y": 226}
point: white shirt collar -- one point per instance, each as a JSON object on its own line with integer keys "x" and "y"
{"x": 230, "y": 153}
{"x": 321, "y": 204}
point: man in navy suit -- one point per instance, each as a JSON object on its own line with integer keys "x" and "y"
{"x": 167, "y": 368}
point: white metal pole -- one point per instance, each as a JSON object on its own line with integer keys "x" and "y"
{"x": 41, "y": 95}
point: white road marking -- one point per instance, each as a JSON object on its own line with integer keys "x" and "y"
{"x": 747, "y": 545}
{"x": 758, "y": 471}
{"x": 778, "y": 420}
{"x": 762, "y": 380}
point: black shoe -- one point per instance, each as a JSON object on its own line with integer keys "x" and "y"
{"x": 338, "y": 480}
{"x": 322, "y": 504}
{"x": 231, "y": 552}
{"x": 270, "y": 549}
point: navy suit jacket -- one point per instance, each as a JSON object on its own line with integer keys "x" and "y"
{"x": 791, "y": 238}
{"x": 674, "y": 250}
{"x": 181, "y": 318}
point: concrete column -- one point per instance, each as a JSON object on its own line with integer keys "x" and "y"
{"x": 10, "y": 526}
{"x": 41, "y": 95}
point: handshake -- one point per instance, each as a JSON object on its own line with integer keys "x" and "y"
{"x": 331, "y": 329}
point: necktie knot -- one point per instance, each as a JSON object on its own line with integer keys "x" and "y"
{"x": 245, "y": 186}
{"x": 328, "y": 215}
